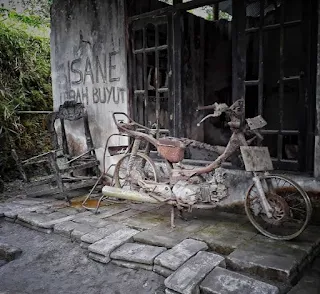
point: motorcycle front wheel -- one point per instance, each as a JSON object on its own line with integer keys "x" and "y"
{"x": 291, "y": 208}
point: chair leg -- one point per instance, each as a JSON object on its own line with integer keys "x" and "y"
{"x": 54, "y": 165}
{"x": 19, "y": 165}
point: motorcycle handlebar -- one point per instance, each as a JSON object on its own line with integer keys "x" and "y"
{"x": 206, "y": 107}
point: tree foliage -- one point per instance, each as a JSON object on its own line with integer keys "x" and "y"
{"x": 25, "y": 82}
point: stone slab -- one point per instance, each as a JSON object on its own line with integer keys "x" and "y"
{"x": 124, "y": 215}
{"x": 144, "y": 206}
{"x": 36, "y": 228}
{"x": 105, "y": 246}
{"x": 132, "y": 265}
{"x": 91, "y": 220}
{"x": 179, "y": 254}
{"x": 101, "y": 233}
{"x": 9, "y": 252}
{"x": 187, "y": 278}
{"x": 309, "y": 284}
{"x": 99, "y": 257}
{"x": 32, "y": 202}
{"x": 80, "y": 230}
{"x": 224, "y": 237}
{"x": 147, "y": 220}
{"x": 13, "y": 213}
{"x": 268, "y": 259}
{"x": 167, "y": 237}
{"x": 168, "y": 291}
{"x": 112, "y": 210}
{"x": 84, "y": 245}
{"x": 137, "y": 253}
{"x": 83, "y": 214}
{"x": 316, "y": 265}
{"x": 69, "y": 210}
{"x": 223, "y": 281}
{"x": 65, "y": 228}
{"x": 163, "y": 271}
{"x": 44, "y": 220}
{"x": 9, "y": 219}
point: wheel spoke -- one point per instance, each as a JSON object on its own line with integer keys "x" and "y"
{"x": 291, "y": 208}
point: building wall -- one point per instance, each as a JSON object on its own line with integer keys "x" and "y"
{"x": 89, "y": 64}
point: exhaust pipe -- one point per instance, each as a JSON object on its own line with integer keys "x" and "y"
{"x": 128, "y": 195}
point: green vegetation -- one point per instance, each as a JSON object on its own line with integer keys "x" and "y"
{"x": 25, "y": 83}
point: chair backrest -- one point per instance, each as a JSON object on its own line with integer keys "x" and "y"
{"x": 70, "y": 111}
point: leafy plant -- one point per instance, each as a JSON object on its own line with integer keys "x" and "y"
{"x": 25, "y": 83}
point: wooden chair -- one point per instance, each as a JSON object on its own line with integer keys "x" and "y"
{"x": 68, "y": 172}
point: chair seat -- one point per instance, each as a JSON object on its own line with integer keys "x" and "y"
{"x": 60, "y": 160}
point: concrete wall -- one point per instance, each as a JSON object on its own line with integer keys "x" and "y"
{"x": 89, "y": 64}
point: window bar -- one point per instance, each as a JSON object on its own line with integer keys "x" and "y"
{"x": 157, "y": 78}
{"x": 281, "y": 80}
{"x": 261, "y": 77}
{"x": 170, "y": 85}
{"x": 145, "y": 71}
{"x": 274, "y": 26}
{"x": 134, "y": 80}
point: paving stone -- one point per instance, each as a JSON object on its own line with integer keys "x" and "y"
{"x": 99, "y": 257}
{"x": 101, "y": 233}
{"x": 69, "y": 211}
{"x": 272, "y": 260}
{"x": 147, "y": 220}
{"x": 163, "y": 271}
{"x": 167, "y": 237}
{"x": 138, "y": 253}
{"x": 10, "y": 220}
{"x": 91, "y": 220}
{"x": 144, "y": 206}
{"x": 83, "y": 214}
{"x": 44, "y": 220}
{"x": 33, "y": 202}
{"x": 224, "y": 237}
{"x": 316, "y": 265}
{"x": 132, "y": 265}
{"x": 15, "y": 212}
{"x": 45, "y": 210}
{"x": 187, "y": 278}
{"x": 309, "y": 284}
{"x": 307, "y": 241}
{"x": 112, "y": 210}
{"x": 223, "y": 281}
{"x": 65, "y": 228}
{"x": 179, "y": 254}
{"x": 36, "y": 228}
{"x": 9, "y": 252}
{"x": 168, "y": 291}
{"x": 80, "y": 230}
{"x": 124, "y": 215}
{"x": 105, "y": 246}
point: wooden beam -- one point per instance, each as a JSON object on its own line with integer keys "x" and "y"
{"x": 238, "y": 49}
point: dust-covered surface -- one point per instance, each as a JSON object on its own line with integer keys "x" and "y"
{"x": 52, "y": 264}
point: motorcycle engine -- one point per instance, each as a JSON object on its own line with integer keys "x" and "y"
{"x": 199, "y": 190}
{"x": 186, "y": 193}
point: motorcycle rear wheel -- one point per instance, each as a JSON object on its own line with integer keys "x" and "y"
{"x": 143, "y": 168}
{"x": 291, "y": 205}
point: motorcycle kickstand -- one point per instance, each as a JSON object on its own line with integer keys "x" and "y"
{"x": 172, "y": 217}
{"x": 181, "y": 215}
